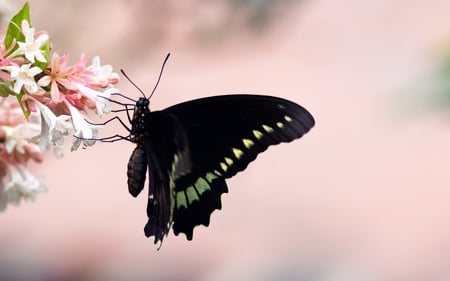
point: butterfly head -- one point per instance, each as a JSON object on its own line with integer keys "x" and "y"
{"x": 142, "y": 102}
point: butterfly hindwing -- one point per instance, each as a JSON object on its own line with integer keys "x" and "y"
{"x": 165, "y": 147}
{"x": 196, "y": 198}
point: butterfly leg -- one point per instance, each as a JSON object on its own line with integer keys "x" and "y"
{"x": 107, "y": 139}
{"x": 109, "y": 120}
{"x": 118, "y": 102}
{"x": 122, "y": 104}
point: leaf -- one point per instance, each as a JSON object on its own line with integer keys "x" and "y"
{"x": 5, "y": 90}
{"x": 14, "y": 28}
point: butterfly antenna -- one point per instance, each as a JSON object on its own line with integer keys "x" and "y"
{"x": 132, "y": 83}
{"x": 160, "y": 74}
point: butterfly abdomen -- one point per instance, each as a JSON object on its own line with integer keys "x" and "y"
{"x": 137, "y": 167}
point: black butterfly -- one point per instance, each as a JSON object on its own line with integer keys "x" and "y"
{"x": 190, "y": 149}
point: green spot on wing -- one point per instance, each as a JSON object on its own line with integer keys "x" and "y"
{"x": 201, "y": 185}
{"x": 181, "y": 200}
{"x": 191, "y": 194}
{"x": 210, "y": 177}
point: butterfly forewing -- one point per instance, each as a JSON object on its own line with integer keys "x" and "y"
{"x": 225, "y": 133}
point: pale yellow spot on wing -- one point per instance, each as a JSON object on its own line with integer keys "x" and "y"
{"x": 287, "y": 118}
{"x": 237, "y": 152}
{"x": 268, "y": 129}
{"x": 223, "y": 166}
{"x": 280, "y": 125}
{"x": 257, "y": 134}
{"x": 248, "y": 143}
{"x": 229, "y": 161}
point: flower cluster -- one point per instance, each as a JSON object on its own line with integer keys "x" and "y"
{"x": 16, "y": 149}
{"x": 43, "y": 99}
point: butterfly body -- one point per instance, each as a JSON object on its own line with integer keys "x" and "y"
{"x": 189, "y": 149}
{"x": 137, "y": 167}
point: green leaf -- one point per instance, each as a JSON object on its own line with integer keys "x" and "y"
{"x": 14, "y": 28}
{"x": 5, "y": 90}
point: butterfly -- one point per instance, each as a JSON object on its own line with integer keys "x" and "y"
{"x": 191, "y": 148}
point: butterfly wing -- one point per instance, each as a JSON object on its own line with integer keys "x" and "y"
{"x": 224, "y": 134}
{"x": 166, "y": 151}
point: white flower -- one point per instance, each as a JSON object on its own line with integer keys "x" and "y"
{"x": 103, "y": 74}
{"x": 102, "y": 103}
{"x": 16, "y": 138}
{"x": 24, "y": 76}
{"x": 84, "y": 132}
{"x": 21, "y": 184}
{"x": 53, "y": 127}
{"x": 32, "y": 46}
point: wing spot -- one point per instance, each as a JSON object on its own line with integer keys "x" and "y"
{"x": 181, "y": 200}
{"x": 191, "y": 194}
{"x": 237, "y": 152}
{"x": 219, "y": 174}
{"x": 229, "y": 161}
{"x": 201, "y": 186}
{"x": 280, "y": 125}
{"x": 258, "y": 135}
{"x": 287, "y": 118}
{"x": 267, "y": 128}
{"x": 210, "y": 177}
{"x": 223, "y": 166}
{"x": 248, "y": 143}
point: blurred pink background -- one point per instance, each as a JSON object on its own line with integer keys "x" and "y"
{"x": 364, "y": 196}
